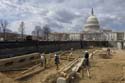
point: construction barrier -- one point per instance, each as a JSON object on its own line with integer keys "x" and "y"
{"x": 19, "y": 61}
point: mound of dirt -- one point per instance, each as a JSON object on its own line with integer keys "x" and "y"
{"x": 105, "y": 56}
{"x": 5, "y": 79}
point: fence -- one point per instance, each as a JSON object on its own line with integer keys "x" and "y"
{"x": 16, "y": 48}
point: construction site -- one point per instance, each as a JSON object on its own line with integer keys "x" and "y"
{"x": 103, "y": 68}
{"x": 59, "y": 41}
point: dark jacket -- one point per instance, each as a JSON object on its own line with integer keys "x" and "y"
{"x": 86, "y": 60}
{"x": 57, "y": 60}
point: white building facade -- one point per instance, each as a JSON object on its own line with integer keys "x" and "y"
{"x": 91, "y": 32}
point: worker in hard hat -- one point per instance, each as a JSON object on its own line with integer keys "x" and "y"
{"x": 43, "y": 60}
{"x": 86, "y": 64}
{"x": 108, "y": 52}
{"x": 70, "y": 54}
{"x": 71, "y": 51}
{"x": 57, "y": 61}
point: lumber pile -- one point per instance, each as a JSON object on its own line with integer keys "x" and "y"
{"x": 72, "y": 68}
{"x": 33, "y": 70}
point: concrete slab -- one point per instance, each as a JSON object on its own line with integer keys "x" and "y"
{"x": 61, "y": 80}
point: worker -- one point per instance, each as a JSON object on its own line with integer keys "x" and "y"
{"x": 108, "y": 52}
{"x": 43, "y": 60}
{"x": 71, "y": 51}
{"x": 70, "y": 54}
{"x": 86, "y": 64}
{"x": 57, "y": 61}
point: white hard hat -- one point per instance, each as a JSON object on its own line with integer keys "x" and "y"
{"x": 86, "y": 51}
{"x": 55, "y": 54}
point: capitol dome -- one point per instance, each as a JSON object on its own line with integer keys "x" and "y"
{"x": 92, "y": 24}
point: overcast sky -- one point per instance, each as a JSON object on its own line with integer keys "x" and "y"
{"x": 62, "y": 15}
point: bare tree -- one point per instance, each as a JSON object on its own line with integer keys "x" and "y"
{"x": 0, "y": 29}
{"x": 37, "y": 32}
{"x": 3, "y": 27}
{"x": 46, "y": 32}
{"x": 22, "y": 29}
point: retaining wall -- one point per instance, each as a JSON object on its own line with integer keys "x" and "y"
{"x": 19, "y": 61}
{"x": 10, "y": 49}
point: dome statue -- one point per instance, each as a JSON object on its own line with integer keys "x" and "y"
{"x": 92, "y": 24}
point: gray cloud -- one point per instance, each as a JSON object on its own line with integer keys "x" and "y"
{"x": 67, "y": 15}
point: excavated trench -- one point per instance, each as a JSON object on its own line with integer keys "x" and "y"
{"x": 112, "y": 70}
{"x": 37, "y": 73}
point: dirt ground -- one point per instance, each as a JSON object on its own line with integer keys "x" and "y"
{"x": 101, "y": 71}
{"x": 107, "y": 70}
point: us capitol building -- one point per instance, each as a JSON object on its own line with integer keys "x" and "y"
{"x": 91, "y": 32}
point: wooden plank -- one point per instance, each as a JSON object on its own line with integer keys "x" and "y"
{"x": 30, "y": 69}
{"x": 70, "y": 65}
{"x": 78, "y": 65}
{"x": 15, "y": 69}
{"x": 39, "y": 69}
